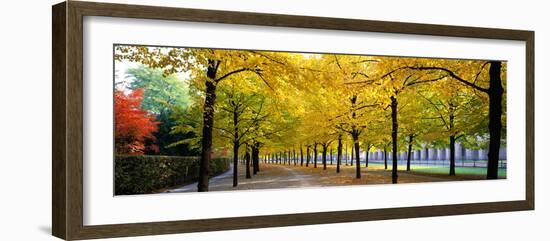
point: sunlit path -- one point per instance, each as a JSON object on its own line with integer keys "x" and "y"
{"x": 270, "y": 176}
{"x": 289, "y": 176}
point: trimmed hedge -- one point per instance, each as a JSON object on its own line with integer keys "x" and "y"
{"x": 145, "y": 174}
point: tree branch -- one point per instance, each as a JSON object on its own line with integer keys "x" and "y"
{"x": 231, "y": 73}
{"x": 267, "y": 57}
{"x": 263, "y": 79}
{"x": 438, "y": 111}
{"x": 425, "y": 81}
{"x": 480, "y": 70}
{"x": 359, "y": 73}
{"x": 364, "y": 61}
{"x": 451, "y": 74}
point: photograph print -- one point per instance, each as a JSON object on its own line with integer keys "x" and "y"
{"x": 190, "y": 119}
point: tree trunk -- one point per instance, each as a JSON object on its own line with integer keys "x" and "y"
{"x": 289, "y": 153}
{"x": 331, "y": 156}
{"x": 324, "y": 157}
{"x": 495, "y": 114}
{"x": 294, "y": 155}
{"x": 339, "y": 154}
{"x": 452, "y": 157}
{"x": 307, "y": 156}
{"x": 394, "y": 138}
{"x": 346, "y": 155}
{"x": 247, "y": 163}
{"x": 409, "y": 153}
{"x": 258, "y": 159}
{"x": 289, "y": 157}
{"x": 235, "y": 162}
{"x": 255, "y": 158}
{"x": 254, "y": 170}
{"x": 367, "y": 156}
{"x": 315, "y": 155}
{"x": 357, "y": 157}
{"x": 235, "y": 147}
{"x": 355, "y": 149}
{"x": 301, "y": 156}
{"x": 208, "y": 125}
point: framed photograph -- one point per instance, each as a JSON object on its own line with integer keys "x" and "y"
{"x": 172, "y": 120}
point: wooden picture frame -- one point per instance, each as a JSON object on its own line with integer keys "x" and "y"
{"x": 67, "y": 156}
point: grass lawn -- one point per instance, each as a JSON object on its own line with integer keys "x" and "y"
{"x": 473, "y": 171}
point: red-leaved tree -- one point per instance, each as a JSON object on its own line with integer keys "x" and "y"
{"x": 134, "y": 127}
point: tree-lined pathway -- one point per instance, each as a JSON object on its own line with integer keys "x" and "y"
{"x": 264, "y": 105}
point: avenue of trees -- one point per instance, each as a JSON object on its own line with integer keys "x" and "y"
{"x": 301, "y": 108}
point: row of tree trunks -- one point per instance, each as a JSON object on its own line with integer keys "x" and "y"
{"x": 297, "y": 157}
{"x": 290, "y": 157}
{"x": 326, "y": 152}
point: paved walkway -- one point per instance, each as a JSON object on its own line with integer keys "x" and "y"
{"x": 290, "y": 176}
{"x": 213, "y": 181}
